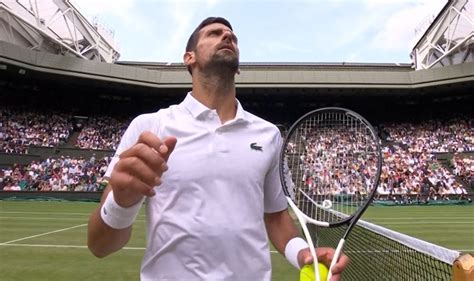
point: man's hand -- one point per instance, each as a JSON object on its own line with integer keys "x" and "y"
{"x": 140, "y": 168}
{"x": 325, "y": 256}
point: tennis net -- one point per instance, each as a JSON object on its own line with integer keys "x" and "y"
{"x": 378, "y": 253}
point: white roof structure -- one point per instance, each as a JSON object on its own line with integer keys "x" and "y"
{"x": 449, "y": 39}
{"x": 55, "y": 26}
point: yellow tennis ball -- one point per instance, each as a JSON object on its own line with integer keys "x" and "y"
{"x": 307, "y": 272}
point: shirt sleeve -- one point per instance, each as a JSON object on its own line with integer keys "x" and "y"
{"x": 138, "y": 125}
{"x": 274, "y": 198}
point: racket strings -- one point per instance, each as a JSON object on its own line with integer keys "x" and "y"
{"x": 331, "y": 161}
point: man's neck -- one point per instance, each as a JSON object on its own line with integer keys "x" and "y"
{"x": 216, "y": 93}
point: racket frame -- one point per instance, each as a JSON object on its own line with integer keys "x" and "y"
{"x": 350, "y": 220}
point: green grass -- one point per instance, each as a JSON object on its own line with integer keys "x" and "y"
{"x": 450, "y": 226}
{"x": 41, "y": 240}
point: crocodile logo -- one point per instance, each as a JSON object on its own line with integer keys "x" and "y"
{"x": 256, "y": 147}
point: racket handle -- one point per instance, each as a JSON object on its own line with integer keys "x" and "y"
{"x": 311, "y": 249}
{"x": 302, "y": 221}
{"x": 337, "y": 254}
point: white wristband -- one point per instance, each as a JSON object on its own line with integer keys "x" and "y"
{"x": 292, "y": 248}
{"x": 116, "y": 216}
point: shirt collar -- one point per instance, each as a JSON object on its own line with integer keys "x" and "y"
{"x": 241, "y": 115}
{"x": 196, "y": 109}
{"x": 194, "y": 106}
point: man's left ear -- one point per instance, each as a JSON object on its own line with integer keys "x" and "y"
{"x": 188, "y": 58}
{"x": 238, "y": 71}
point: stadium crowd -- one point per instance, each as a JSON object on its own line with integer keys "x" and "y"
{"x": 333, "y": 163}
{"x": 463, "y": 167}
{"x": 101, "y": 133}
{"x": 410, "y": 170}
{"x": 417, "y": 176}
{"x": 21, "y": 129}
{"x": 56, "y": 174}
{"x": 454, "y": 135}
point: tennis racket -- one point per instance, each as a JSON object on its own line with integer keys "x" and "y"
{"x": 330, "y": 166}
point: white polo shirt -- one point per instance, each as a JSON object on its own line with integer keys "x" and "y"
{"x": 206, "y": 220}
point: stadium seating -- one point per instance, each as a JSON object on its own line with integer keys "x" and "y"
{"x": 411, "y": 173}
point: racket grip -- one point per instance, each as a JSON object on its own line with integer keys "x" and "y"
{"x": 337, "y": 254}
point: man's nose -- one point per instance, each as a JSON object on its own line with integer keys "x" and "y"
{"x": 227, "y": 35}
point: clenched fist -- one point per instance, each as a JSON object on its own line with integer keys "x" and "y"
{"x": 140, "y": 168}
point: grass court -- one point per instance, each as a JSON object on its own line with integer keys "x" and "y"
{"x": 46, "y": 240}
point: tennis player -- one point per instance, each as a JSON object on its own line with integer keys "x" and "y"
{"x": 208, "y": 172}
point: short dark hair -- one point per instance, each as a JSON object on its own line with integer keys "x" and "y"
{"x": 193, "y": 39}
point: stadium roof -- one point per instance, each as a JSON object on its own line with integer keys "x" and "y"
{"x": 288, "y": 75}
{"x": 277, "y": 92}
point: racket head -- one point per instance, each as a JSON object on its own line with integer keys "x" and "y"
{"x": 330, "y": 164}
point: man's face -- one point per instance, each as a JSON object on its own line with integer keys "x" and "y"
{"x": 217, "y": 48}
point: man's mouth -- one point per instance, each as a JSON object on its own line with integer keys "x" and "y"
{"x": 226, "y": 47}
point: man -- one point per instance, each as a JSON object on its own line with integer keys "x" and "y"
{"x": 209, "y": 173}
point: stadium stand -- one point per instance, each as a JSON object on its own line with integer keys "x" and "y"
{"x": 101, "y": 133}
{"x": 61, "y": 116}
{"x": 411, "y": 173}
{"x": 23, "y": 128}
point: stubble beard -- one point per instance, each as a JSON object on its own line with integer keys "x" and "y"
{"x": 223, "y": 64}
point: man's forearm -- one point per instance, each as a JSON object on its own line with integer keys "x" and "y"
{"x": 103, "y": 240}
{"x": 280, "y": 229}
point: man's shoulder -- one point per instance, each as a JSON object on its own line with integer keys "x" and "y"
{"x": 259, "y": 121}
{"x": 153, "y": 116}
